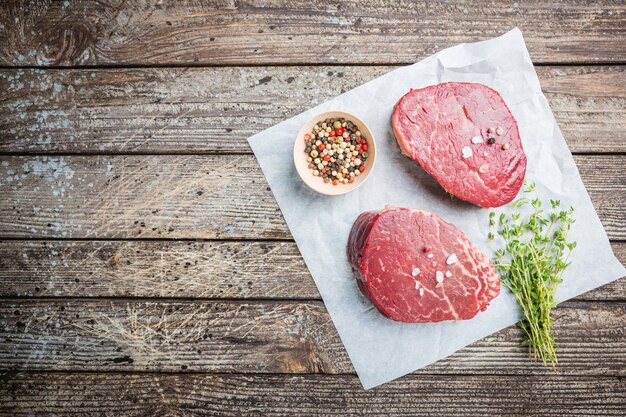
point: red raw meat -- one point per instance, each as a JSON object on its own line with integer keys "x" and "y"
{"x": 438, "y": 127}
{"x": 397, "y": 255}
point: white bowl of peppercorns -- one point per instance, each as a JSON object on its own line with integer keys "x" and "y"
{"x": 334, "y": 152}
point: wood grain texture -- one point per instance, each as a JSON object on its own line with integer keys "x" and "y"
{"x": 298, "y": 32}
{"x": 308, "y": 395}
{"x": 208, "y": 110}
{"x": 193, "y": 197}
{"x": 237, "y": 327}
{"x": 267, "y": 337}
{"x": 244, "y": 270}
{"x": 174, "y": 197}
{"x": 241, "y": 270}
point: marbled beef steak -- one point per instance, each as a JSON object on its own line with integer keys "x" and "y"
{"x": 465, "y": 136}
{"x": 416, "y": 268}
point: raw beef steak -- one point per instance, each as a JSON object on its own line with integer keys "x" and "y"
{"x": 465, "y": 136}
{"x": 416, "y": 268}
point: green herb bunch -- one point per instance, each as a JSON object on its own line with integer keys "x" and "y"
{"x": 531, "y": 264}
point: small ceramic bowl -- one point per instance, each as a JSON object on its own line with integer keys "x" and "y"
{"x": 317, "y": 183}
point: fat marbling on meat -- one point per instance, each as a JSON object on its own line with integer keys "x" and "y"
{"x": 416, "y": 268}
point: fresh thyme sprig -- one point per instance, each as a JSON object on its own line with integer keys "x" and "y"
{"x": 531, "y": 264}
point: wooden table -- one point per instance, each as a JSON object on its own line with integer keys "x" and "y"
{"x": 145, "y": 268}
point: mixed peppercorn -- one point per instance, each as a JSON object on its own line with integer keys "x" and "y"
{"x": 336, "y": 151}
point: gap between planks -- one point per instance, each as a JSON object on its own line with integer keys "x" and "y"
{"x": 8, "y": 374}
{"x": 280, "y": 65}
{"x": 208, "y": 153}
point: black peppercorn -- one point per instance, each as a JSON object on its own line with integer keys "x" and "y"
{"x": 491, "y": 141}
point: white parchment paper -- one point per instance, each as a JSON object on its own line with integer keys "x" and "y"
{"x": 380, "y": 349}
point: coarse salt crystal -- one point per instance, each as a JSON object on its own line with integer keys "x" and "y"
{"x": 421, "y": 291}
{"x": 467, "y": 152}
{"x": 430, "y": 255}
{"x": 416, "y": 271}
{"x": 417, "y": 284}
{"x": 439, "y": 277}
{"x": 483, "y": 168}
{"x": 485, "y": 153}
{"x": 499, "y": 130}
{"x": 451, "y": 259}
{"x": 448, "y": 274}
{"x": 477, "y": 139}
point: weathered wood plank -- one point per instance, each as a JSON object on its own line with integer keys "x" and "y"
{"x": 88, "y": 394}
{"x": 238, "y": 395}
{"x": 138, "y": 196}
{"x": 190, "y": 196}
{"x": 302, "y": 32}
{"x": 274, "y": 337}
{"x": 589, "y": 114}
{"x": 226, "y": 269}
{"x": 156, "y": 269}
{"x": 206, "y": 110}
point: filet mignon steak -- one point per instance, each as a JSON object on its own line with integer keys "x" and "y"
{"x": 416, "y": 268}
{"x": 465, "y": 136}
